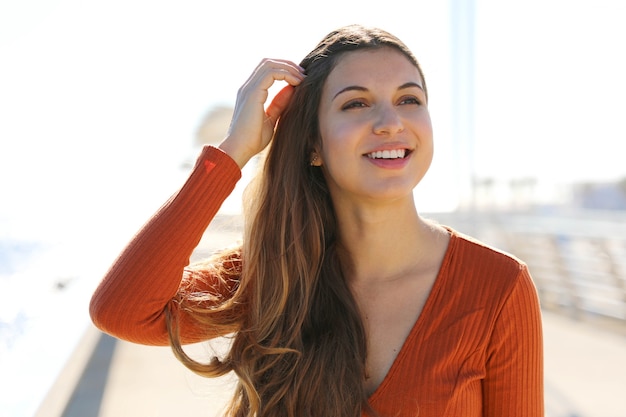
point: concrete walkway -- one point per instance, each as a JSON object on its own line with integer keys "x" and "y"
{"x": 585, "y": 369}
{"x": 585, "y": 373}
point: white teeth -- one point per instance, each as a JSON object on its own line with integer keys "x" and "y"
{"x": 392, "y": 154}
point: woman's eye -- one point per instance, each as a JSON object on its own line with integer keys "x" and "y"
{"x": 410, "y": 100}
{"x": 353, "y": 104}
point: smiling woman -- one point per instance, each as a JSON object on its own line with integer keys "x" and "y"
{"x": 343, "y": 300}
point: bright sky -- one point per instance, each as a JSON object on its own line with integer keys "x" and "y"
{"x": 551, "y": 86}
{"x": 99, "y": 101}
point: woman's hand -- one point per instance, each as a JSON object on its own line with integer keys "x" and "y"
{"x": 252, "y": 126}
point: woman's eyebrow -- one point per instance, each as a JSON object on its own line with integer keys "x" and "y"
{"x": 350, "y": 88}
{"x": 409, "y": 84}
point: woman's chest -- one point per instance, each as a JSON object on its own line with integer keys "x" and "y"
{"x": 389, "y": 318}
{"x": 438, "y": 371}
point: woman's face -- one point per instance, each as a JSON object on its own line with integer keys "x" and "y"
{"x": 376, "y": 133}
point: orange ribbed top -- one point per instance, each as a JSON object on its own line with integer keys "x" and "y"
{"x": 475, "y": 350}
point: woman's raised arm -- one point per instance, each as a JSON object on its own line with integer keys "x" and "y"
{"x": 132, "y": 300}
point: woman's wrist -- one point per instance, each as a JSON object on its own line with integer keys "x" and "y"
{"x": 229, "y": 148}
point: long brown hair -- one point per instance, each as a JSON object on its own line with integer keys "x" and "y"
{"x": 300, "y": 348}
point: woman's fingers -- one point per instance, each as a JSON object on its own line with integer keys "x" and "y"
{"x": 267, "y": 73}
{"x": 280, "y": 70}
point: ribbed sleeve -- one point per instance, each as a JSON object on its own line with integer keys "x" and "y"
{"x": 131, "y": 300}
{"x": 513, "y": 384}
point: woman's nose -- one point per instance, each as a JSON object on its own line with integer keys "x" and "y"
{"x": 388, "y": 121}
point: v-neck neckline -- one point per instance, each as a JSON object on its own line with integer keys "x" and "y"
{"x": 429, "y": 305}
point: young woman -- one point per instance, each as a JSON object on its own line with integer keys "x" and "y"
{"x": 342, "y": 300}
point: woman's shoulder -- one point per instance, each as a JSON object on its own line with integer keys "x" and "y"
{"x": 473, "y": 264}
{"x": 478, "y": 252}
{"x": 481, "y": 275}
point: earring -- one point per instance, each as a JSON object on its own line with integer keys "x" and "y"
{"x": 314, "y": 160}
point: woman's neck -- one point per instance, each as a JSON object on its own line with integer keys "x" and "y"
{"x": 385, "y": 243}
